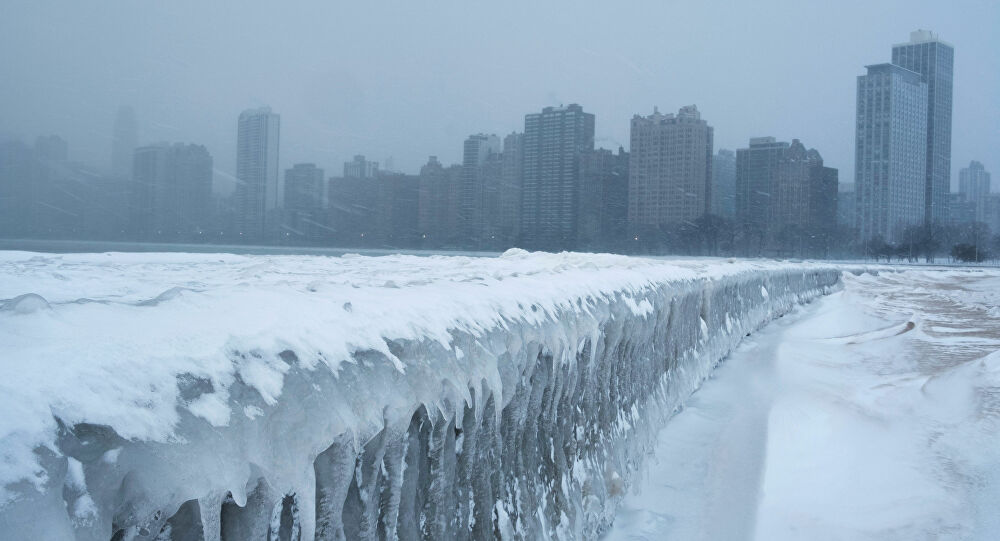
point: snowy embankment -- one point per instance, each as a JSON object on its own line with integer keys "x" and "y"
{"x": 871, "y": 414}
{"x": 192, "y": 396}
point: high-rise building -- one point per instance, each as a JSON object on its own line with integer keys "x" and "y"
{"x": 554, "y": 142}
{"x": 993, "y": 212}
{"x": 974, "y": 187}
{"x": 512, "y": 175}
{"x": 756, "y": 171}
{"x": 846, "y": 204}
{"x": 604, "y": 199}
{"x": 437, "y": 204}
{"x": 351, "y": 212}
{"x": 933, "y": 59}
{"x": 170, "y": 192}
{"x": 670, "y": 169}
{"x": 890, "y": 152}
{"x": 961, "y": 211}
{"x": 804, "y": 203}
{"x": 786, "y": 199}
{"x": 305, "y": 199}
{"x": 124, "y": 141}
{"x": 724, "y": 184}
{"x": 359, "y": 167}
{"x": 480, "y": 187}
{"x": 396, "y": 210}
{"x": 305, "y": 188}
{"x": 258, "y": 190}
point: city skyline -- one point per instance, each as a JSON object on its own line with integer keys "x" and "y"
{"x": 329, "y": 123}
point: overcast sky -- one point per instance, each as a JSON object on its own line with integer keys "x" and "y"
{"x": 407, "y": 80}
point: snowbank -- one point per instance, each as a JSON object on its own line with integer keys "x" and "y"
{"x": 360, "y": 397}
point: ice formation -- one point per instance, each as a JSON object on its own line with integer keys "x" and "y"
{"x": 212, "y": 396}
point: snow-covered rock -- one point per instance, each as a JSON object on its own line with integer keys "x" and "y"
{"x": 189, "y": 396}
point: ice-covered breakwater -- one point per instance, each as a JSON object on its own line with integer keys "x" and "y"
{"x": 210, "y": 396}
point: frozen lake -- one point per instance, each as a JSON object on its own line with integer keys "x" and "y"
{"x": 873, "y": 413}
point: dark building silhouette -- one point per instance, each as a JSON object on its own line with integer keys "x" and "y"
{"x": 437, "y": 204}
{"x": 512, "y": 179}
{"x": 724, "y": 184}
{"x": 42, "y": 195}
{"x": 305, "y": 199}
{"x": 170, "y": 192}
{"x": 396, "y": 210}
{"x": 351, "y": 207}
{"x": 756, "y": 170}
{"x": 786, "y": 198}
{"x": 604, "y": 200}
{"x": 478, "y": 210}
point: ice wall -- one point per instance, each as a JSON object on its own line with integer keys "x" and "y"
{"x": 523, "y": 415}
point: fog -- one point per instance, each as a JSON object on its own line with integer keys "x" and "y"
{"x": 404, "y": 80}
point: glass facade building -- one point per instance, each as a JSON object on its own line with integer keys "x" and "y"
{"x": 933, "y": 59}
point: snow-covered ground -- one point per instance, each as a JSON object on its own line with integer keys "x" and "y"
{"x": 872, "y": 413}
{"x": 208, "y": 395}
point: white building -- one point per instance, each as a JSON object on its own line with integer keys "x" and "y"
{"x": 259, "y": 192}
{"x": 890, "y": 151}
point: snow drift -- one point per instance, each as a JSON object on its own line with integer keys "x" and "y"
{"x": 210, "y": 396}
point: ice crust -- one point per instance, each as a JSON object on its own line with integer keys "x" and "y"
{"x": 215, "y": 396}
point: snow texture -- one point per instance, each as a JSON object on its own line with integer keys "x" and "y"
{"x": 871, "y": 414}
{"x": 215, "y": 396}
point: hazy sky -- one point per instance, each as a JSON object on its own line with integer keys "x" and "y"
{"x": 412, "y": 79}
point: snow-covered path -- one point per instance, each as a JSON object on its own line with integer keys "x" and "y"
{"x": 873, "y": 413}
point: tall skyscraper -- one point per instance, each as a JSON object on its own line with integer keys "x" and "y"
{"x": 604, "y": 200}
{"x": 974, "y": 187}
{"x": 170, "y": 192}
{"x": 480, "y": 181}
{"x": 724, "y": 184}
{"x": 933, "y": 59}
{"x": 554, "y": 142}
{"x": 512, "y": 176}
{"x": 258, "y": 190}
{"x": 890, "y": 162}
{"x": 359, "y": 167}
{"x": 670, "y": 169}
{"x": 437, "y": 205}
{"x": 124, "y": 141}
